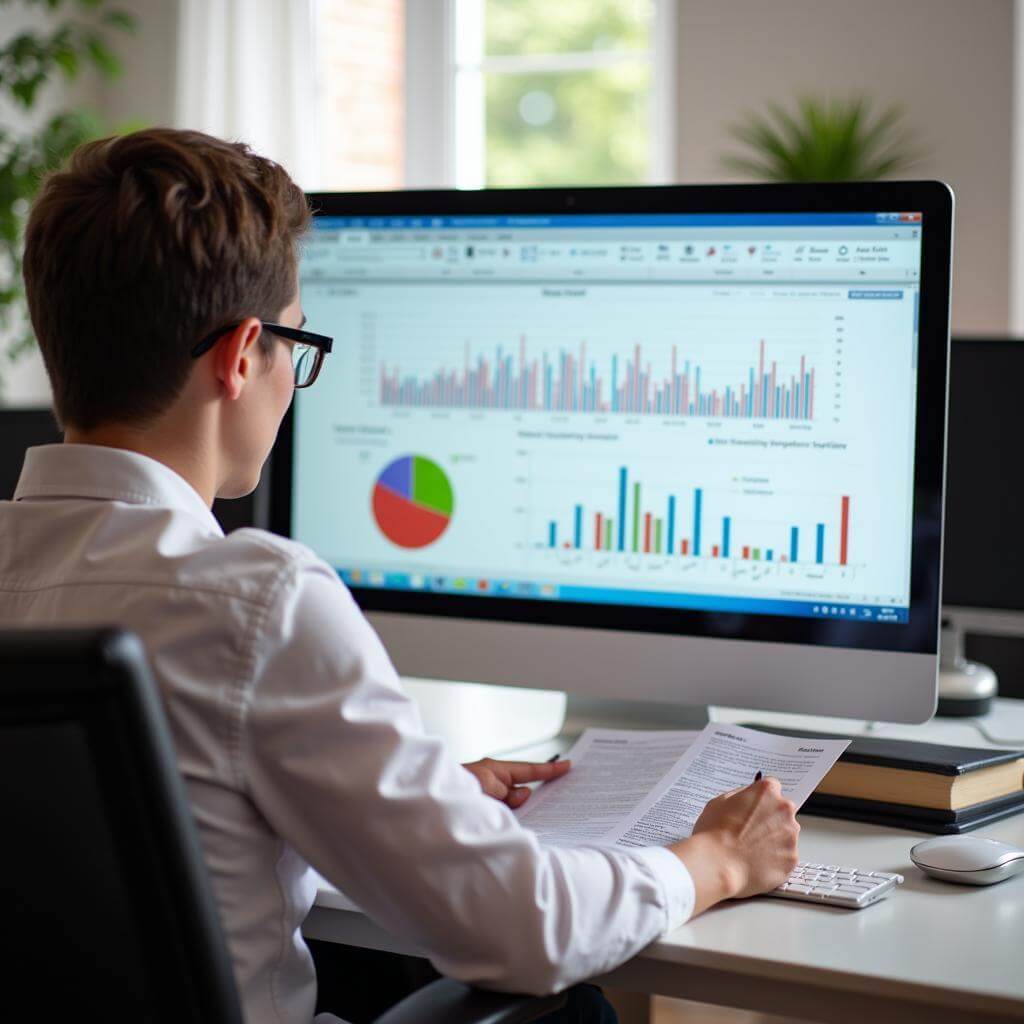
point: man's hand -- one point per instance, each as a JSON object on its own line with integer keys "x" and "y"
{"x": 506, "y": 780}
{"x": 744, "y": 842}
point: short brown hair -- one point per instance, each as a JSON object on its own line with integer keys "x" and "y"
{"x": 143, "y": 244}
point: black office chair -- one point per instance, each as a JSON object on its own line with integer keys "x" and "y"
{"x": 107, "y": 909}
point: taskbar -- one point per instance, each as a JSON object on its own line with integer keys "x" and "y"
{"x": 478, "y": 586}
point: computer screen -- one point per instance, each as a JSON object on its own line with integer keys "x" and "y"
{"x": 641, "y": 410}
{"x": 692, "y": 411}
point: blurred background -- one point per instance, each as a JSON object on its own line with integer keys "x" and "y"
{"x": 378, "y": 94}
{"x": 384, "y": 94}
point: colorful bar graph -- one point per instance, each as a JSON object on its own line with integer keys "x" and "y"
{"x": 653, "y": 534}
{"x": 566, "y": 382}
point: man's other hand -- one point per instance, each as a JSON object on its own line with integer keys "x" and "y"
{"x": 506, "y": 780}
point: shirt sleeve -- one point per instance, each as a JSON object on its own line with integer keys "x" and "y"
{"x": 337, "y": 760}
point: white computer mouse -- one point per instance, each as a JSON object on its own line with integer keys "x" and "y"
{"x": 969, "y": 860}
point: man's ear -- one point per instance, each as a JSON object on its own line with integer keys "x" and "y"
{"x": 236, "y": 355}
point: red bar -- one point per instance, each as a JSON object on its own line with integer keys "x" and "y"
{"x": 783, "y": 558}
{"x": 647, "y": 532}
{"x": 746, "y": 552}
{"x": 759, "y": 394}
{"x": 714, "y": 550}
{"x": 597, "y": 531}
{"x": 684, "y": 547}
{"x": 844, "y": 530}
{"x": 583, "y": 369}
{"x": 636, "y": 379}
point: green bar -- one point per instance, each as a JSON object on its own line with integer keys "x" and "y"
{"x": 636, "y": 517}
{"x": 608, "y": 535}
{"x": 757, "y": 554}
{"x": 657, "y": 536}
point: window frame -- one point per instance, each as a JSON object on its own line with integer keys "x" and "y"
{"x": 439, "y": 99}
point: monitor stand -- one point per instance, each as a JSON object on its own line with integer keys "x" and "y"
{"x": 965, "y": 687}
{"x": 596, "y": 713}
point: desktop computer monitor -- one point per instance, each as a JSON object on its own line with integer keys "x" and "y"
{"x": 675, "y": 444}
{"x": 985, "y": 496}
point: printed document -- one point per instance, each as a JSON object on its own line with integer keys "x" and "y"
{"x": 647, "y": 788}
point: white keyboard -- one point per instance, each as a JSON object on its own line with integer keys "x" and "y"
{"x": 836, "y": 886}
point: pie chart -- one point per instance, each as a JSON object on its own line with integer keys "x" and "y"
{"x": 412, "y": 501}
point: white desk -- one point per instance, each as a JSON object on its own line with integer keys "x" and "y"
{"x": 930, "y": 952}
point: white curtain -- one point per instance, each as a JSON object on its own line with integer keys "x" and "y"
{"x": 246, "y": 71}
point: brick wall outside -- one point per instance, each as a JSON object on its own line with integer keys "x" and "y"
{"x": 362, "y": 53}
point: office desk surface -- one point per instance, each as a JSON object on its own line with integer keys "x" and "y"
{"x": 931, "y": 951}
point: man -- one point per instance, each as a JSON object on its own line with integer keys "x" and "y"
{"x": 161, "y": 274}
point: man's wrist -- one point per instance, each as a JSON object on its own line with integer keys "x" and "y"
{"x": 716, "y": 872}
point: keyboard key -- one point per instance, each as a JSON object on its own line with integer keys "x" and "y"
{"x": 797, "y": 887}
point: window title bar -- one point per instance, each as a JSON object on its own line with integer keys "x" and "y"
{"x": 618, "y": 220}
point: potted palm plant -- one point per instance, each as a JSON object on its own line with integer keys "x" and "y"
{"x": 823, "y": 140}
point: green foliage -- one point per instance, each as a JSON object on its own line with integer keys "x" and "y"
{"x": 77, "y": 37}
{"x": 838, "y": 140}
{"x": 598, "y": 132}
{"x": 513, "y": 27}
{"x": 566, "y": 127}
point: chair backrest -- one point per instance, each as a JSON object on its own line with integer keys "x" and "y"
{"x": 106, "y": 908}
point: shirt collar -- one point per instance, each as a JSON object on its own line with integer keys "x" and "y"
{"x": 110, "y": 474}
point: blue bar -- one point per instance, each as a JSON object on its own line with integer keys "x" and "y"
{"x": 820, "y": 553}
{"x": 726, "y": 523}
{"x": 601, "y": 220}
{"x": 622, "y": 508}
{"x": 671, "y": 524}
{"x": 579, "y": 526}
{"x": 697, "y": 495}
{"x": 876, "y": 293}
{"x": 794, "y": 541}
{"x": 552, "y": 539}
{"x": 768, "y": 557}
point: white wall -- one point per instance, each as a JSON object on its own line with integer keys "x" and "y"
{"x": 948, "y": 62}
{"x": 145, "y": 92}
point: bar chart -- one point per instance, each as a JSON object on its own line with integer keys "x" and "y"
{"x": 570, "y": 381}
{"x": 680, "y": 525}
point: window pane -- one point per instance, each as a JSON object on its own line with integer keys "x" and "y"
{"x": 361, "y": 47}
{"x": 567, "y": 26}
{"x": 571, "y": 128}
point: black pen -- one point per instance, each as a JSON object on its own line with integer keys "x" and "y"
{"x": 552, "y": 760}
{"x": 757, "y": 777}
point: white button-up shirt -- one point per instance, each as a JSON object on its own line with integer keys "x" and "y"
{"x": 300, "y": 748}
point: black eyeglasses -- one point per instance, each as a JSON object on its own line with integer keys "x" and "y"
{"x": 307, "y": 353}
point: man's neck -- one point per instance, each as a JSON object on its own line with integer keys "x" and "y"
{"x": 188, "y": 457}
